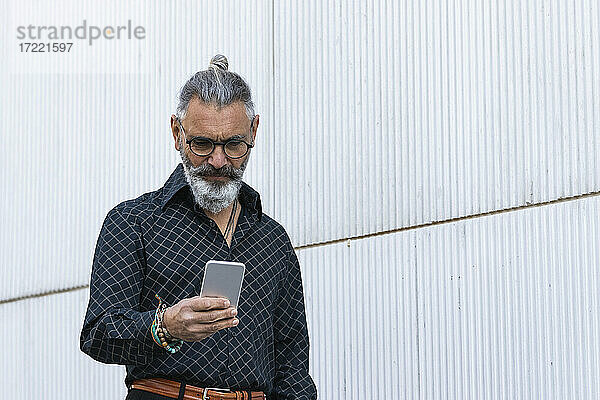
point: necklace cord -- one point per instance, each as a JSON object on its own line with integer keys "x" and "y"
{"x": 231, "y": 219}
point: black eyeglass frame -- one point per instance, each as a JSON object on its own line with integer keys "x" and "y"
{"x": 215, "y": 144}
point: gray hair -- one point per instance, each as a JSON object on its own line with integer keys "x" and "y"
{"x": 216, "y": 86}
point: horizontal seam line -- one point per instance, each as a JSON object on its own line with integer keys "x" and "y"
{"x": 449, "y": 221}
{"x": 47, "y": 293}
{"x": 382, "y": 233}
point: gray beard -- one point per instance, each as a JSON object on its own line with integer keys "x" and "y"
{"x": 213, "y": 196}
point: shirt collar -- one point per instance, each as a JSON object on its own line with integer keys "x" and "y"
{"x": 248, "y": 197}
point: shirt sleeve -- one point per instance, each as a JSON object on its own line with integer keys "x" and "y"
{"x": 292, "y": 380}
{"x": 115, "y": 330}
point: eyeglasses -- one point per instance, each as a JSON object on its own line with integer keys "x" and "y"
{"x": 233, "y": 148}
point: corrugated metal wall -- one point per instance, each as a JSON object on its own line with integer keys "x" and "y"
{"x": 42, "y": 360}
{"x": 424, "y": 111}
{"x": 410, "y": 128}
{"x": 502, "y": 306}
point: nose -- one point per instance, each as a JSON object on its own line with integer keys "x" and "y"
{"x": 218, "y": 158}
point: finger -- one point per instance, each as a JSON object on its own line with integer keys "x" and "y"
{"x": 210, "y": 316}
{"x": 208, "y": 303}
{"x": 215, "y": 326}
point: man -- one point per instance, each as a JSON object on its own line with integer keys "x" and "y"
{"x": 154, "y": 248}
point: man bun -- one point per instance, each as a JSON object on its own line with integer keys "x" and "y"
{"x": 216, "y": 85}
{"x": 218, "y": 62}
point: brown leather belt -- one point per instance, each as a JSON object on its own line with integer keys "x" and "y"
{"x": 165, "y": 387}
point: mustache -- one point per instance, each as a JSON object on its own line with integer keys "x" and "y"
{"x": 226, "y": 171}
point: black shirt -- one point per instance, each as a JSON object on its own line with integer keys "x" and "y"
{"x": 159, "y": 244}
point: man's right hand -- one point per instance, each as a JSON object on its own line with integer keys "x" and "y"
{"x": 198, "y": 317}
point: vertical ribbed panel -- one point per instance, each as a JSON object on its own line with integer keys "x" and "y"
{"x": 76, "y": 144}
{"x": 361, "y": 311}
{"x": 43, "y": 361}
{"x": 504, "y": 306}
{"x": 398, "y": 113}
{"x": 509, "y": 305}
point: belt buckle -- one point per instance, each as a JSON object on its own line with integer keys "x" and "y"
{"x": 205, "y": 392}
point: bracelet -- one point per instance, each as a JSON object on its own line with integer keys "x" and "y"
{"x": 159, "y": 332}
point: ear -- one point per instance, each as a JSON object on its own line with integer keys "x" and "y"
{"x": 175, "y": 130}
{"x": 255, "y": 127}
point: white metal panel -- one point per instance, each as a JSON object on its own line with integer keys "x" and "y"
{"x": 397, "y": 113}
{"x": 77, "y": 143}
{"x": 498, "y": 307}
{"x": 361, "y": 311}
{"x": 43, "y": 361}
{"x": 508, "y": 305}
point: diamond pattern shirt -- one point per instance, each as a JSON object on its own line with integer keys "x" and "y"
{"x": 159, "y": 244}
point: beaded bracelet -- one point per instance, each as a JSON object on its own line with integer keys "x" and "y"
{"x": 160, "y": 335}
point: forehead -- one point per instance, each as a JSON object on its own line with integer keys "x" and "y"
{"x": 213, "y": 121}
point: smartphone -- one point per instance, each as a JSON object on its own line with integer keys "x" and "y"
{"x": 223, "y": 279}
